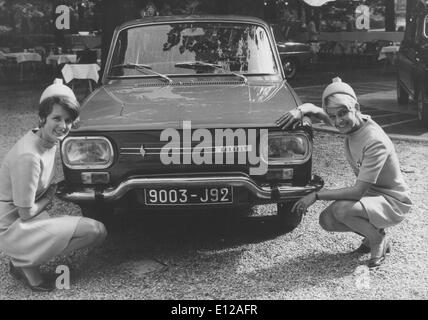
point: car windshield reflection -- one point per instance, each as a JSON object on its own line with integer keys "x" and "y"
{"x": 193, "y": 48}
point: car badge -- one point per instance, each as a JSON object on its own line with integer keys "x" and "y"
{"x": 142, "y": 151}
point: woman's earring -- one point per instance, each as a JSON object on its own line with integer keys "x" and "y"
{"x": 42, "y": 122}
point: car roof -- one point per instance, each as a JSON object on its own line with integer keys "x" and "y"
{"x": 191, "y": 18}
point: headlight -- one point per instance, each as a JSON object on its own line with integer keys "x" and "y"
{"x": 87, "y": 152}
{"x": 288, "y": 148}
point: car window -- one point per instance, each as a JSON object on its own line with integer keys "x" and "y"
{"x": 193, "y": 48}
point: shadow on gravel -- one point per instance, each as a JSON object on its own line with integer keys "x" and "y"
{"x": 132, "y": 238}
{"x": 190, "y": 230}
{"x": 314, "y": 269}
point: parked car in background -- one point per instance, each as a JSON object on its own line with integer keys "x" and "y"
{"x": 295, "y": 56}
{"x": 412, "y": 63}
{"x": 185, "y": 119}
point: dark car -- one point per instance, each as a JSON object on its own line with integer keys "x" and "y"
{"x": 412, "y": 62}
{"x": 185, "y": 119}
{"x": 295, "y": 56}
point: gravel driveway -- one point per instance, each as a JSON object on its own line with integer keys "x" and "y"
{"x": 211, "y": 259}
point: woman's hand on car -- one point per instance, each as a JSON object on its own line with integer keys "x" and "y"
{"x": 304, "y": 203}
{"x": 289, "y": 119}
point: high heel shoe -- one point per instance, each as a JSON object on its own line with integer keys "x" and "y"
{"x": 364, "y": 248}
{"x": 375, "y": 262}
{"x": 17, "y": 273}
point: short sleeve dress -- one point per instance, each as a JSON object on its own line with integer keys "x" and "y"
{"x": 373, "y": 159}
{"x": 25, "y": 175}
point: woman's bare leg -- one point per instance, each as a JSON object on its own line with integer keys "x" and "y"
{"x": 89, "y": 233}
{"x": 345, "y": 216}
{"x": 329, "y": 222}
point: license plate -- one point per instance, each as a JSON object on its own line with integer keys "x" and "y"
{"x": 188, "y": 196}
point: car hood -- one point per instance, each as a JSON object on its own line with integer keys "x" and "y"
{"x": 140, "y": 107}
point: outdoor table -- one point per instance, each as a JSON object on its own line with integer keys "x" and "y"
{"x": 61, "y": 58}
{"x": 388, "y": 52}
{"x": 24, "y": 56}
{"x": 21, "y": 57}
{"x": 81, "y": 71}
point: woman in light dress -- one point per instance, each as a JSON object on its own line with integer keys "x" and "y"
{"x": 380, "y": 198}
{"x": 28, "y": 235}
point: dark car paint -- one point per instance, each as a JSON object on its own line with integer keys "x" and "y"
{"x": 133, "y": 105}
{"x": 412, "y": 60}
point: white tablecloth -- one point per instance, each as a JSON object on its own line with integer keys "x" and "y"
{"x": 80, "y": 71}
{"x": 61, "y": 58}
{"x": 388, "y": 50}
{"x": 24, "y": 56}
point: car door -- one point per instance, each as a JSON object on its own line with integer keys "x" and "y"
{"x": 407, "y": 55}
{"x": 421, "y": 50}
{"x": 421, "y": 46}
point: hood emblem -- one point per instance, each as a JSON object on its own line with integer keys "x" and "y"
{"x": 142, "y": 151}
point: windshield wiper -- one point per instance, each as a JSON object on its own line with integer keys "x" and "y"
{"x": 140, "y": 67}
{"x": 207, "y": 64}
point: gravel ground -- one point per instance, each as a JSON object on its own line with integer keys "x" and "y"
{"x": 208, "y": 259}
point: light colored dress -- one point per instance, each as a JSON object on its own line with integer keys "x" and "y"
{"x": 372, "y": 156}
{"x": 25, "y": 175}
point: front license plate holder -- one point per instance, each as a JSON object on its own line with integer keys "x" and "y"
{"x": 188, "y": 196}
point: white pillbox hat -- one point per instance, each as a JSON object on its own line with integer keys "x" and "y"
{"x": 58, "y": 88}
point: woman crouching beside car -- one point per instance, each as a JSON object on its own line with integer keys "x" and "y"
{"x": 380, "y": 197}
{"x": 28, "y": 235}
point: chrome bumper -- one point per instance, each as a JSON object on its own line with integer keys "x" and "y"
{"x": 277, "y": 192}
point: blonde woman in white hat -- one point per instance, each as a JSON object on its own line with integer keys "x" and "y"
{"x": 28, "y": 235}
{"x": 380, "y": 197}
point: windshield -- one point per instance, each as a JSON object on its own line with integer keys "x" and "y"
{"x": 192, "y": 48}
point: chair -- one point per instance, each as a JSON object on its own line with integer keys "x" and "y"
{"x": 87, "y": 56}
{"x": 327, "y": 49}
{"x": 77, "y": 72}
{"x": 369, "y": 51}
{"x": 42, "y": 51}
